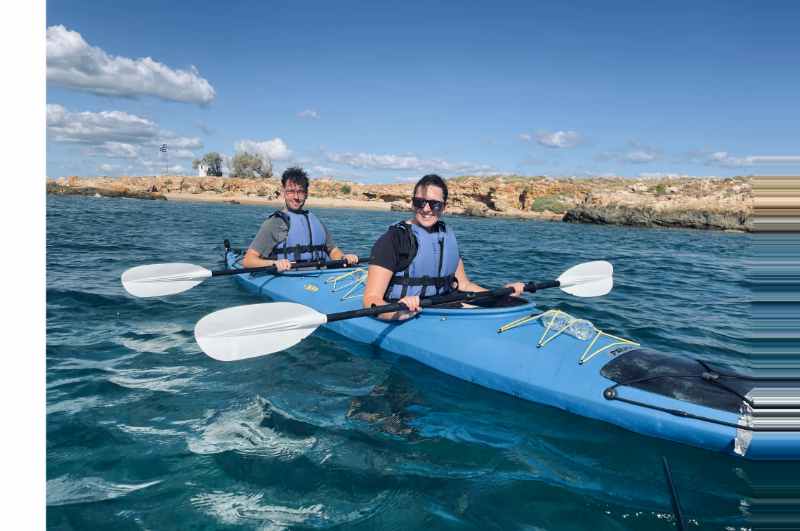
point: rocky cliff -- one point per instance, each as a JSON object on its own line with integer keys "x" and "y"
{"x": 686, "y": 202}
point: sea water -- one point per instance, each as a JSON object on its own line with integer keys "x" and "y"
{"x": 146, "y": 432}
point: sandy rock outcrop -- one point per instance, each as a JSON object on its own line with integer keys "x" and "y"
{"x": 688, "y": 202}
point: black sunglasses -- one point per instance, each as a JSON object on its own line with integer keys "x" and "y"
{"x": 435, "y": 205}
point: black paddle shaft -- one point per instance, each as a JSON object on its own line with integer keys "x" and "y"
{"x": 458, "y": 296}
{"x": 318, "y": 264}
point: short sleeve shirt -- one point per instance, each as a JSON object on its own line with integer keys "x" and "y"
{"x": 385, "y": 251}
{"x": 275, "y": 230}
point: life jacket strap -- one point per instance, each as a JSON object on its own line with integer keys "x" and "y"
{"x": 441, "y": 285}
{"x": 296, "y": 250}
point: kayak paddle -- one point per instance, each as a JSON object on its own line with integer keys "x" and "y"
{"x": 252, "y": 330}
{"x": 156, "y": 280}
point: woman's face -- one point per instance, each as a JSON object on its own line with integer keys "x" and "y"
{"x": 428, "y": 204}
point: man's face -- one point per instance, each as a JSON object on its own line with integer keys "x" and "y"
{"x": 294, "y": 195}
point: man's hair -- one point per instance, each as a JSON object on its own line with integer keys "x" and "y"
{"x": 296, "y": 175}
{"x": 432, "y": 180}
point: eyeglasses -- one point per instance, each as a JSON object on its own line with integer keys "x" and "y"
{"x": 435, "y": 205}
{"x": 295, "y": 191}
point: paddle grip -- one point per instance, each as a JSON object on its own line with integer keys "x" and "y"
{"x": 533, "y": 287}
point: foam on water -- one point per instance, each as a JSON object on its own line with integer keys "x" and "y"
{"x": 230, "y": 508}
{"x": 240, "y": 430}
{"x": 68, "y": 490}
{"x": 162, "y": 379}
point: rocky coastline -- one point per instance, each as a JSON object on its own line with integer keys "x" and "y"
{"x": 698, "y": 203}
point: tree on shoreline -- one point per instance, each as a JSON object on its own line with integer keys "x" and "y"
{"x": 213, "y": 163}
{"x": 250, "y": 166}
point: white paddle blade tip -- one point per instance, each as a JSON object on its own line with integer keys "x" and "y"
{"x": 253, "y": 330}
{"x": 589, "y": 279}
{"x": 158, "y": 280}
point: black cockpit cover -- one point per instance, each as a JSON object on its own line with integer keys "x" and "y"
{"x": 678, "y": 377}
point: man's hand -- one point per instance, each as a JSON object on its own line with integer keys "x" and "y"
{"x": 351, "y": 259}
{"x": 283, "y": 265}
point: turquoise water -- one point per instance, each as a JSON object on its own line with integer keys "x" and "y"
{"x": 146, "y": 432}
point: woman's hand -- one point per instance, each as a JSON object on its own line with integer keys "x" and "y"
{"x": 519, "y": 288}
{"x": 412, "y": 303}
{"x": 351, "y": 259}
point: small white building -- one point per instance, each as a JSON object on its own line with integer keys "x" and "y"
{"x": 202, "y": 170}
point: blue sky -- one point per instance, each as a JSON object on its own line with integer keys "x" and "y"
{"x": 375, "y": 92}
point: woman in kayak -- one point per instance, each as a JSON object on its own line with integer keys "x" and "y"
{"x": 418, "y": 258}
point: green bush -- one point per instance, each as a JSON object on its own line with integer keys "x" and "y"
{"x": 552, "y": 203}
{"x": 346, "y": 189}
{"x": 660, "y": 189}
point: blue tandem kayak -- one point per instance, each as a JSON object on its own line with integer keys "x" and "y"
{"x": 552, "y": 358}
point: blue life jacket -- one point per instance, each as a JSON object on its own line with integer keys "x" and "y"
{"x": 306, "y": 238}
{"x": 433, "y": 267}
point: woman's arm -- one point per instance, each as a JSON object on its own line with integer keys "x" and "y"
{"x": 464, "y": 283}
{"x": 377, "y": 281}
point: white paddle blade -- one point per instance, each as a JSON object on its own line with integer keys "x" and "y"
{"x": 157, "y": 280}
{"x": 253, "y": 330}
{"x": 589, "y": 279}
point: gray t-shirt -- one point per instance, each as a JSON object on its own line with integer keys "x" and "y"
{"x": 274, "y": 230}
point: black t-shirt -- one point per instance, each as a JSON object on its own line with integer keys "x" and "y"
{"x": 385, "y": 251}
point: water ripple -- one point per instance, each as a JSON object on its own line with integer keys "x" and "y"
{"x": 331, "y": 433}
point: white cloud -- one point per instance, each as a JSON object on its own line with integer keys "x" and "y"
{"x": 723, "y": 158}
{"x": 204, "y": 128}
{"x": 105, "y": 167}
{"x": 323, "y": 170}
{"x": 114, "y": 133}
{"x": 308, "y": 113}
{"x": 120, "y": 150}
{"x": 156, "y": 167}
{"x": 93, "y": 127}
{"x": 662, "y": 175}
{"x": 640, "y": 156}
{"x": 558, "y": 139}
{"x": 117, "y": 135}
{"x": 182, "y": 154}
{"x": 181, "y": 142}
{"x": 73, "y": 63}
{"x": 275, "y": 149}
{"x": 525, "y": 137}
{"x": 402, "y": 162}
{"x": 769, "y": 159}
{"x": 635, "y": 153}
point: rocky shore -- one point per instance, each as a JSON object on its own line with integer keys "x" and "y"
{"x": 701, "y": 203}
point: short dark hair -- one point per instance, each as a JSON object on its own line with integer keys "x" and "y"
{"x": 431, "y": 180}
{"x": 296, "y": 175}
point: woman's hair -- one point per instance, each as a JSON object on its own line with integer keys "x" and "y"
{"x": 296, "y": 175}
{"x": 431, "y": 180}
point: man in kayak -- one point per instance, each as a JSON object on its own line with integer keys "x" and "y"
{"x": 418, "y": 258}
{"x": 293, "y": 234}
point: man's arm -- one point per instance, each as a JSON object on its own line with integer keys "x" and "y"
{"x": 272, "y": 231}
